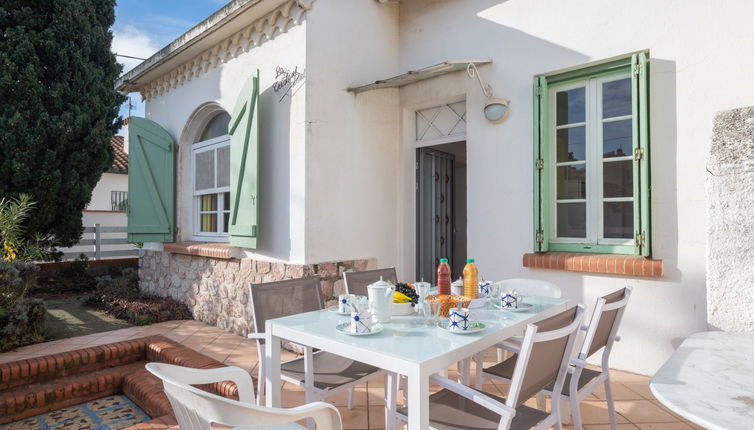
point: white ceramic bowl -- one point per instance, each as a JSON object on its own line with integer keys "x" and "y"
{"x": 402, "y": 309}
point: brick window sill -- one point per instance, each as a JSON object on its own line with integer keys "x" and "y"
{"x": 221, "y": 251}
{"x": 609, "y": 264}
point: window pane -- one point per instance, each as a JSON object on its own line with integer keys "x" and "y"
{"x": 223, "y": 166}
{"x": 616, "y": 98}
{"x": 571, "y": 220}
{"x": 216, "y": 127}
{"x": 226, "y": 201}
{"x": 205, "y": 170}
{"x": 208, "y": 202}
{"x": 209, "y": 223}
{"x": 616, "y": 139}
{"x": 226, "y": 220}
{"x": 572, "y": 182}
{"x": 569, "y": 107}
{"x": 618, "y": 220}
{"x": 571, "y": 142}
{"x": 618, "y": 178}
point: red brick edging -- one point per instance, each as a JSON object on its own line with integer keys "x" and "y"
{"x": 629, "y": 265}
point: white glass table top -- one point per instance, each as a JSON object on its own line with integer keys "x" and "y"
{"x": 407, "y": 337}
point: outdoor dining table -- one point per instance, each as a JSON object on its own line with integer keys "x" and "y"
{"x": 406, "y": 346}
{"x": 709, "y": 380}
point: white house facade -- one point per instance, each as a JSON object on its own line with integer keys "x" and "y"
{"x": 594, "y": 179}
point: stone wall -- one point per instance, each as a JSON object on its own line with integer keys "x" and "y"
{"x": 730, "y": 222}
{"x": 217, "y": 290}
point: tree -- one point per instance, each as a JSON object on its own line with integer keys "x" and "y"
{"x": 58, "y": 108}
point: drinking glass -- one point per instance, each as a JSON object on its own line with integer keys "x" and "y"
{"x": 493, "y": 297}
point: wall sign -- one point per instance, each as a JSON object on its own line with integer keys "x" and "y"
{"x": 285, "y": 80}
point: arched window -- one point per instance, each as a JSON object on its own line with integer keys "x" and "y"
{"x": 210, "y": 157}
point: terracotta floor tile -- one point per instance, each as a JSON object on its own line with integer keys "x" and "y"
{"x": 643, "y": 411}
{"x": 8, "y": 357}
{"x": 622, "y": 376}
{"x": 620, "y": 392}
{"x": 376, "y": 417}
{"x": 356, "y": 418}
{"x": 665, "y": 408}
{"x": 341, "y": 399}
{"x": 621, "y": 426}
{"x": 595, "y": 412}
{"x": 694, "y": 426}
{"x": 642, "y": 388}
{"x": 664, "y": 426}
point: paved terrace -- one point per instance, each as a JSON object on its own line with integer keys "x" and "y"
{"x": 637, "y": 408}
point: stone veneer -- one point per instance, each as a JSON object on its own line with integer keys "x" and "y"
{"x": 217, "y": 290}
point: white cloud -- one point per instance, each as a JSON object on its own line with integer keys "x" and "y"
{"x": 133, "y": 42}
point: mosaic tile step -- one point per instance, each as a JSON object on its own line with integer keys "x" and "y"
{"x": 108, "y": 413}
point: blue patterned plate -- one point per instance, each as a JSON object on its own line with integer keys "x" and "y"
{"x": 473, "y": 327}
{"x": 345, "y": 328}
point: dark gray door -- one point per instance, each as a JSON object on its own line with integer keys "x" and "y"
{"x": 434, "y": 211}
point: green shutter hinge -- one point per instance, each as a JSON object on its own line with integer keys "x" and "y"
{"x": 539, "y": 164}
{"x": 637, "y": 69}
{"x": 539, "y": 90}
{"x": 640, "y": 240}
{"x": 638, "y": 154}
{"x": 540, "y": 236}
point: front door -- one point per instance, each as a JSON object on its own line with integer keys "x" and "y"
{"x": 434, "y": 211}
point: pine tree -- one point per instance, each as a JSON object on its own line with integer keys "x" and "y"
{"x": 58, "y": 108}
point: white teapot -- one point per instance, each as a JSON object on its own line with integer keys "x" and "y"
{"x": 381, "y": 300}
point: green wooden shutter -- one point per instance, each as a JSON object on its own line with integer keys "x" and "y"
{"x": 151, "y": 182}
{"x": 244, "y": 166}
{"x": 541, "y": 174}
{"x": 640, "y": 111}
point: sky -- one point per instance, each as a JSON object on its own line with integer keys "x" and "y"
{"x": 142, "y": 27}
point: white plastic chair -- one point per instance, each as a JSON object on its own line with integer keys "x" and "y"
{"x": 196, "y": 409}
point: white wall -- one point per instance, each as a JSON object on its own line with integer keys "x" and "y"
{"x": 697, "y": 68}
{"x": 351, "y": 141}
{"x": 282, "y": 155}
{"x": 101, "y": 193}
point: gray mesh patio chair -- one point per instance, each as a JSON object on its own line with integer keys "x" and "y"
{"x": 197, "y": 409}
{"x": 545, "y": 350}
{"x": 331, "y": 373}
{"x": 580, "y": 381}
{"x": 357, "y": 282}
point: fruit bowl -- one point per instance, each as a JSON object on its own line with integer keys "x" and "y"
{"x": 402, "y": 309}
{"x": 448, "y": 301}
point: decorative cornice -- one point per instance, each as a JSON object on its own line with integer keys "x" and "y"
{"x": 276, "y": 22}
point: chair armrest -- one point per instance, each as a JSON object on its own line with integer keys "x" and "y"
{"x": 236, "y": 414}
{"x": 509, "y": 347}
{"x": 577, "y": 362}
{"x": 475, "y": 396}
{"x": 192, "y": 376}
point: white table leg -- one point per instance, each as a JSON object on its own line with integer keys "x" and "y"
{"x": 391, "y": 391}
{"x": 272, "y": 371}
{"x": 418, "y": 400}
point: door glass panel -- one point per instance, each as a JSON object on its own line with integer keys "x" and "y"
{"x": 223, "y": 166}
{"x": 618, "y": 220}
{"x": 571, "y": 182}
{"x": 571, "y": 143}
{"x": 571, "y": 220}
{"x": 616, "y": 98}
{"x": 570, "y": 107}
{"x": 617, "y": 139}
{"x": 205, "y": 170}
{"x": 618, "y": 178}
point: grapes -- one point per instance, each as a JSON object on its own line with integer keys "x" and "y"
{"x": 404, "y": 288}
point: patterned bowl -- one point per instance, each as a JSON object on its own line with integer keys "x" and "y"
{"x": 448, "y": 301}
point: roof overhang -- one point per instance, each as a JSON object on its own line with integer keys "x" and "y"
{"x": 231, "y": 18}
{"x": 419, "y": 75}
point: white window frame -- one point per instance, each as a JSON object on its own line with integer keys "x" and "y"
{"x": 593, "y": 152}
{"x": 197, "y": 235}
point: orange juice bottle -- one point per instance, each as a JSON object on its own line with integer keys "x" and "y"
{"x": 470, "y": 280}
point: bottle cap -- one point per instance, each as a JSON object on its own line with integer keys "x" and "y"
{"x": 469, "y": 260}
{"x": 443, "y": 260}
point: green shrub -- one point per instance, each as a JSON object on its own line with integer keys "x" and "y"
{"x": 22, "y": 320}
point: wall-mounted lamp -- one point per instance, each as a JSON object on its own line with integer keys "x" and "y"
{"x": 495, "y": 110}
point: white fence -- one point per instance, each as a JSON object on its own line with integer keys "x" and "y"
{"x": 101, "y": 242}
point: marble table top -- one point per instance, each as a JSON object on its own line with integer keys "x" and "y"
{"x": 709, "y": 380}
